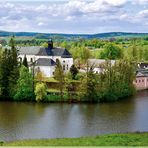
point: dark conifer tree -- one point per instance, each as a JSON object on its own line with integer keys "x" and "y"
{"x": 59, "y": 76}
{"x": 9, "y": 70}
{"x": 25, "y": 63}
{"x": 14, "y": 69}
{"x": 5, "y": 73}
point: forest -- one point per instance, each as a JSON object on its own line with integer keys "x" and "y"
{"x": 18, "y": 83}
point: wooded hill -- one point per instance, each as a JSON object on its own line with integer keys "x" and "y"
{"x": 73, "y": 36}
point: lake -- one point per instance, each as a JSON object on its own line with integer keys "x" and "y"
{"x": 33, "y": 120}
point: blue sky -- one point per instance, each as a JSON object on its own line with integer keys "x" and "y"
{"x": 74, "y": 16}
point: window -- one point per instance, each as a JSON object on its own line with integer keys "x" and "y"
{"x": 63, "y": 67}
{"x": 67, "y": 66}
{"x": 20, "y": 59}
{"x": 139, "y": 81}
{"x": 142, "y": 80}
{"x": 31, "y": 60}
{"x": 56, "y": 60}
{"x": 63, "y": 61}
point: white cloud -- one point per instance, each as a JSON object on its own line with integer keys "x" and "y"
{"x": 116, "y": 2}
{"x": 143, "y": 14}
{"x": 142, "y": 2}
{"x": 73, "y": 15}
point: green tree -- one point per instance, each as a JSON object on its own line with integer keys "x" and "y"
{"x": 1, "y": 52}
{"x": 9, "y": 70}
{"x": 13, "y": 68}
{"x": 111, "y": 51}
{"x": 117, "y": 80}
{"x": 25, "y": 63}
{"x": 4, "y": 76}
{"x": 146, "y": 54}
{"x": 89, "y": 87}
{"x": 81, "y": 55}
{"x": 59, "y": 76}
{"x": 135, "y": 52}
{"x": 40, "y": 76}
{"x": 40, "y": 91}
{"x": 140, "y": 54}
{"x": 24, "y": 86}
{"x": 45, "y": 45}
{"x": 74, "y": 71}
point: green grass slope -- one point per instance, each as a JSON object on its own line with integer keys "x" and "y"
{"x": 134, "y": 139}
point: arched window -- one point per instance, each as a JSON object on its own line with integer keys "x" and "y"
{"x": 31, "y": 60}
{"x": 67, "y": 66}
{"x": 63, "y": 61}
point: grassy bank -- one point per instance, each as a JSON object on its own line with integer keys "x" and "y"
{"x": 131, "y": 139}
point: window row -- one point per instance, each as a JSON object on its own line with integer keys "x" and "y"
{"x": 139, "y": 81}
{"x": 64, "y": 67}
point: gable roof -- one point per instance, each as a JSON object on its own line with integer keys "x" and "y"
{"x": 37, "y": 50}
{"x": 98, "y": 62}
{"x": 45, "y": 62}
{"x": 29, "y": 50}
{"x": 44, "y": 52}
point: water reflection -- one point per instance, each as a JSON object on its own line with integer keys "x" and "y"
{"x": 33, "y": 120}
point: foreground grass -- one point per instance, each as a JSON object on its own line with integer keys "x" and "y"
{"x": 134, "y": 139}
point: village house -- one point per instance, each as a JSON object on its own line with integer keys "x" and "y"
{"x": 44, "y": 59}
{"x": 96, "y": 64}
{"x": 141, "y": 81}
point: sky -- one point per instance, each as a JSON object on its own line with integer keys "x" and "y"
{"x": 74, "y": 16}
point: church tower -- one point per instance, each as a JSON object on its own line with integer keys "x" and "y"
{"x": 50, "y": 44}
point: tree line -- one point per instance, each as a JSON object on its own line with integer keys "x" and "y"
{"x": 18, "y": 83}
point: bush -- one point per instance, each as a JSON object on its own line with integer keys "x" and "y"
{"x": 79, "y": 76}
{"x": 40, "y": 91}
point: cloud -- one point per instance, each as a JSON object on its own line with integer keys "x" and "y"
{"x": 77, "y": 16}
{"x": 142, "y": 2}
{"x": 143, "y": 14}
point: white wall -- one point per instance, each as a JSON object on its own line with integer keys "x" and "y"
{"x": 28, "y": 57}
{"x": 98, "y": 70}
{"x": 46, "y": 70}
{"x": 65, "y": 62}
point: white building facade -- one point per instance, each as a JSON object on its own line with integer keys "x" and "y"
{"x": 44, "y": 59}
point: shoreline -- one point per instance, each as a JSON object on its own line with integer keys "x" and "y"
{"x": 126, "y": 139}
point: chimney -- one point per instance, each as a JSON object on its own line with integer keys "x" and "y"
{"x": 50, "y": 44}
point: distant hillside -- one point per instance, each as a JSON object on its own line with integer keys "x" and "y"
{"x": 119, "y": 34}
{"x": 72, "y": 36}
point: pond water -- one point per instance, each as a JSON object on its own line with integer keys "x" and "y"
{"x": 33, "y": 120}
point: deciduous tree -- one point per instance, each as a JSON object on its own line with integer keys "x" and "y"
{"x": 40, "y": 91}
{"x": 24, "y": 86}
